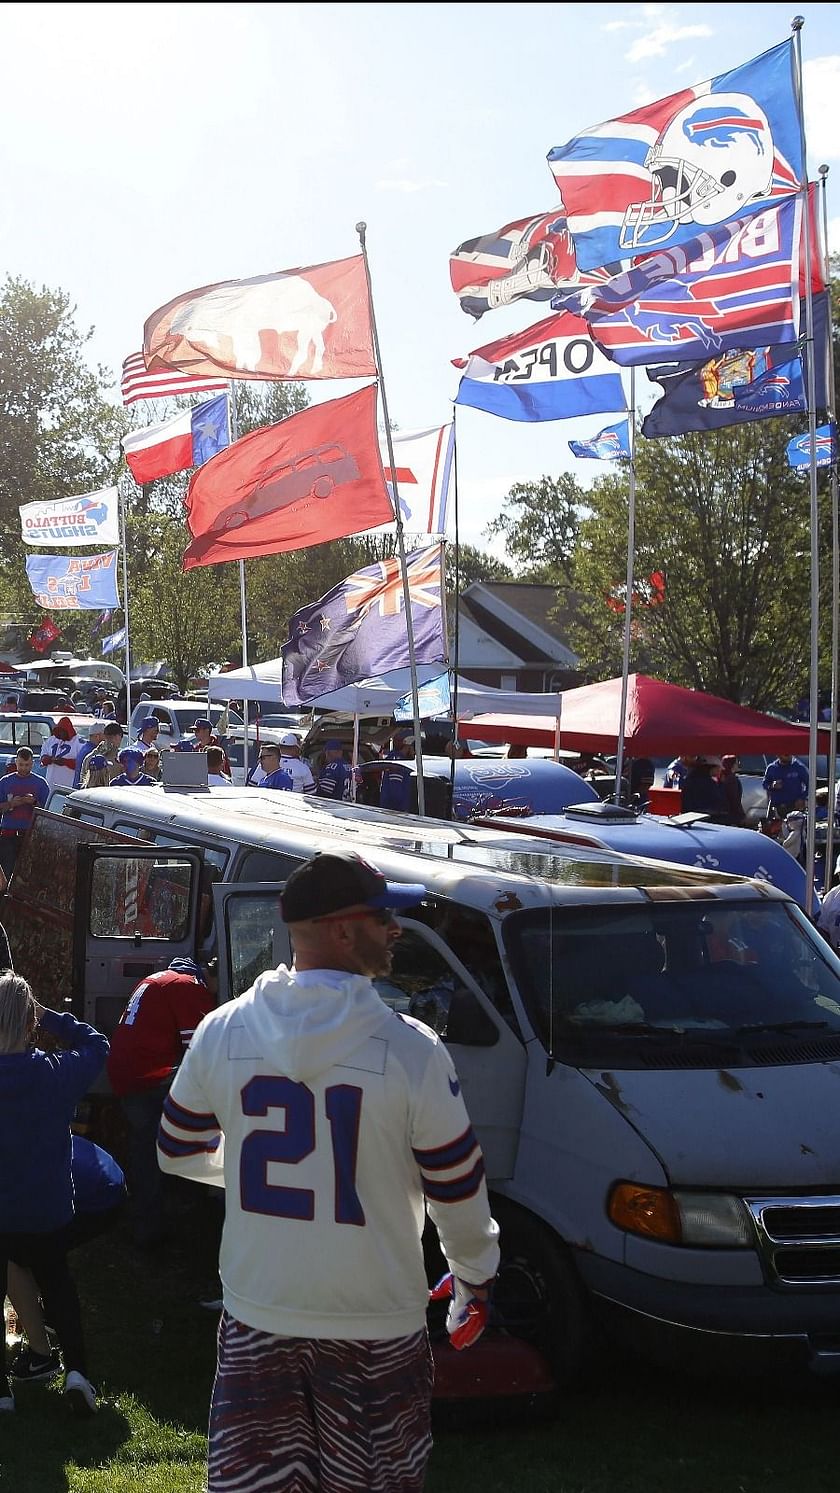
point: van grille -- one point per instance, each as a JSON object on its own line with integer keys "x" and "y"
{"x": 798, "y": 1239}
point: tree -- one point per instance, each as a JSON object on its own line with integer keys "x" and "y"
{"x": 59, "y": 435}
{"x": 539, "y": 523}
{"x": 725, "y": 519}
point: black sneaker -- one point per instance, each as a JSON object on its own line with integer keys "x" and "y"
{"x": 33, "y": 1368}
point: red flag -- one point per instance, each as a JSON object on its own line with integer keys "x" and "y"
{"x": 303, "y": 323}
{"x": 651, "y": 593}
{"x": 44, "y": 636}
{"x": 313, "y": 477}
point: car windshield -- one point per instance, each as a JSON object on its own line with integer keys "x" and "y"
{"x": 697, "y": 969}
{"x": 188, "y": 716}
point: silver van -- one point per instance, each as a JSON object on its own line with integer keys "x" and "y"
{"x": 649, "y": 1053}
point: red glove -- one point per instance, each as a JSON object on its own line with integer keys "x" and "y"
{"x": 467, "y": 1315}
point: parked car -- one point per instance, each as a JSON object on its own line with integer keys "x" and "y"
{"x": 177, "y": 718}
{"x": 31, "y": 728}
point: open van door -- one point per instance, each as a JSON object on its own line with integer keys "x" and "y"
{"x": 136, "y": 908}
{"x": 251, "y": 935}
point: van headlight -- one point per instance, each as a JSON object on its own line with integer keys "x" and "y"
{"x": 697, "y": 1219}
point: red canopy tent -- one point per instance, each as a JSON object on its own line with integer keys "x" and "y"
{"x": 662, "y": 720}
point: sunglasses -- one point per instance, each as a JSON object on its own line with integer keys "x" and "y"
{"x": 382, "y": 915}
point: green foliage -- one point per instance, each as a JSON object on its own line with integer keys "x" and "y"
{"x": 474, "y": 565}
{"x": 539, "y": 523}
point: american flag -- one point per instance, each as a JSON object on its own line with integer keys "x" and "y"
{"x": 138, "y": 383}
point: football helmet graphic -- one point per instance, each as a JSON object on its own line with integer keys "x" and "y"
{"x": 714, "y": 157}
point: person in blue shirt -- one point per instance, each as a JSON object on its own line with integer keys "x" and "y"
{"x": 336, "y": 775}
{"x": 786, "y": 784}
{"x": 678, "y": 770}
{"x": 21, "y": 792}
{"x": 132, "y": 775}
{"x": 96, "y": 736}
{"x": 274, "y": 776}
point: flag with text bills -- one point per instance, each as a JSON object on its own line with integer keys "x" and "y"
{"x": 667, "y": 171}
{"x": 73, "y": 583}
{"x": 530, "y": 259}
{"x": 44, "y": 636}
{"x": 138, "y": 383}
{"x": 424, "y": 464}
{"x": 610, "y": 444}
{"x": 736, "y": 286}
{"x": 300, "y": 324}
{"x": 742, "y": 384}
{"x": 551, "y": 371}
{"x": 433, "y": 697}
{"x": 187, "y": 440}
{"x": 799, "y": 448}
{"x": 313, "y": 477}
{"x": 359, "y": 628}
{"x": 116, "y": 640}
{"x": 92, "y": 518}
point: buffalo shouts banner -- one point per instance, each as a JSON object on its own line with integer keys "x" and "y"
{"x": 74, "y": 583}
{"x": 303, "y": 323}
{"x": 91, "y": 519}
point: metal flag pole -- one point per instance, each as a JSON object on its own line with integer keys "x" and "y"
{"x": 361, "y": 229}
{"x": 456, "y": 627}
{"x": 354, "y": 760}
{"x": 831, "y": 394}
{"x": 125, "y": 611}
{"x": 810, "y": 840}
{"x": 233, "y": 435}
{"x": 628, "y": 600}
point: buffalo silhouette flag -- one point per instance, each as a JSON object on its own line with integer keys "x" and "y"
{"x": 313, "y": 477}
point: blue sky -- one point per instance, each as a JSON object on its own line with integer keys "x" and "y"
{"x": 149, "y": 149}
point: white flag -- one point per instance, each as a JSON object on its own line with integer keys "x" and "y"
{"x": 424, "y": 460}
{"x": 91, "y": 519}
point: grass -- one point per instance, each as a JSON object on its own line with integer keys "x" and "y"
{"x": 636, "y": 1430}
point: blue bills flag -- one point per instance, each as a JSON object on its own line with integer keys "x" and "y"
{"x": 551, "y": 371}
{"x": 433, "y": 698}
{"x": 610, "y": 444}
{"x": 116, "y": 640}
{"x": 671, "y": 169}
{"x": 359, "y": 628}
{"x": 73, "y": 583}
{"x": 736, "y": 286}
{"x": 530, "y": 259}
{"x": 799, "y": 449}
{"x": 742, "y": 384}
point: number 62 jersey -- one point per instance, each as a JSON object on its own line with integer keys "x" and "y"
{"x": 333, "y": 1125}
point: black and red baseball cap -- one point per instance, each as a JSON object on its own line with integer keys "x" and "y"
{"x": 334, "y": 880}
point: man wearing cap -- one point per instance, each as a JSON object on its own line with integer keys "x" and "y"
{"x": 334, "y": 1124}
{"x": 148, "y": 734}
{"x": 701, "y": 791}
{"x": 132, "y": 775}
{"x": 205, "y": 736}
{"x": 111, "y": 741}
{"x": 786, "y": 784}
{"x": 290, "y": 761}
{"x": 336, "y": 775}
{"x": 96, "y": 736}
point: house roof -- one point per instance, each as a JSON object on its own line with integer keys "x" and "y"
{"x": 516, "y": 613}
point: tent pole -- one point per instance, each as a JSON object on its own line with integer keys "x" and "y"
{"x": 557, "y": 740}
{"x": 628, "y": 600}
{"x": 354, "y": 761}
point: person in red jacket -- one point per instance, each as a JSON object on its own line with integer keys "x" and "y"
{"x": 147, "y": 1046}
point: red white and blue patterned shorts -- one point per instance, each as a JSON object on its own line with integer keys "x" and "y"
{"x": 319, "y": 1415}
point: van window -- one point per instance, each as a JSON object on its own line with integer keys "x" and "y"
{"x": 267, "y": 865}
{"x": 212, "y": 853}
{"x": 249, "y": 929}
{"x": 424, "y": 985}
{"x": 131, "y": 897}
{"x": 87, "y": 816}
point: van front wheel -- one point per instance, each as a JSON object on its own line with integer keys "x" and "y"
{"x": 538, "y": 1296}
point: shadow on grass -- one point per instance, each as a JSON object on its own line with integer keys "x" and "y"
{"x": 43, "y": 1437}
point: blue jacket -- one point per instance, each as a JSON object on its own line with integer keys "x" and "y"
{"x": 39, "y": 1092}
{"x": 786, "y": 782}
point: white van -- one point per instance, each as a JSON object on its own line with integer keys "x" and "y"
{"x": 649, "y": 1053}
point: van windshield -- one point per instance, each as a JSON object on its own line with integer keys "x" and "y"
{"x": 732, "y": 970}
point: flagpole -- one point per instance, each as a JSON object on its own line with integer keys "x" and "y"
{"x": 831, "y": 394}
{"x": 361, "y": 229}
{"x": 810, "y": 839}
{"x": 628, "y": 600}
{"x": 233, "y": 435}
{"x": 355, "y": 755}
{"x": 125, "y": 610}
{"x": 456, "y": 632}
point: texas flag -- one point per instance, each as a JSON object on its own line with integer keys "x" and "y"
{"x": 188, "y": 440}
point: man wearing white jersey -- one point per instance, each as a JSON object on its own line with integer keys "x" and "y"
{"x": 290, "y": 761}
{"x": 334, "y": 1124}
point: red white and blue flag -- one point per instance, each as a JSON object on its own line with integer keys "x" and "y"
{"x": 610, "y": 444}
{"x": 359, "y": 628}
{"x": 424, "y": 465}
{"x": 188, "y": 440}
{"x": 825, "y": 444}
{"x": 531, "y": 259}
{"x": 551, "y": 371}
{"x": 736, "y": 285}
{"x": 664, "y": 172}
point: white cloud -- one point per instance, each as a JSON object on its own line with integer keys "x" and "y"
{"x": 407, "y": 184}
{"x": 834, "y": 235}
{"x": 821, "y": 86}
{"x": 620, "y": 26}
{"x": 657, "y": 41}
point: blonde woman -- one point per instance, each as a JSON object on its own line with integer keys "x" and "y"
{"x": 39, "y": 1092}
